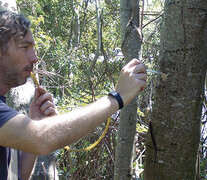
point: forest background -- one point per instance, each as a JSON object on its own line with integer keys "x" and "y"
{"x": 79, "y": 48}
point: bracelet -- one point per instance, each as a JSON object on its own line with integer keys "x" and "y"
{"x": 117, "y": 97}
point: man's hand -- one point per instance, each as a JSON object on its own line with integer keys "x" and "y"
{"x": 42, "y": 105}
{"x": 132, "y": 80}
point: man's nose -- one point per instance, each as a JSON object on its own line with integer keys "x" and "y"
{"x": 33, "y": 57}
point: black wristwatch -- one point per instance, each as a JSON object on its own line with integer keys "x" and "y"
{"x": 117, "y": 97}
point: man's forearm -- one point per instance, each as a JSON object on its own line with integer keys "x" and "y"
{"x": 51, "y": 133}
{"x": 27, "y": 161}
{"x": 70, "y": 127}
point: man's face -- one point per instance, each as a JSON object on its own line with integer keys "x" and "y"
{"x": 17, "y": 63}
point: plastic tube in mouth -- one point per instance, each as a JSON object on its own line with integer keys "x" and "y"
{"x": 35, "y": 80}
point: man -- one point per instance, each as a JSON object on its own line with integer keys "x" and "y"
{"x": 42, "y": 131}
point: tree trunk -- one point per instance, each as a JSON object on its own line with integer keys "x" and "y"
{"x": 131, "y": 44}
{"x": 174, "y": 130}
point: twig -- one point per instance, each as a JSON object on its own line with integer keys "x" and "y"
{"x": 43, "y": 166}
{"x": 151, "y": 21}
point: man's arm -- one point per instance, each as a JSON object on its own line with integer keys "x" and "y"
{"x": 42, "y": 137}
{"x": 51, "y": 133}
{"x": 44, "y": 108}
{"x": 27, "y": 161}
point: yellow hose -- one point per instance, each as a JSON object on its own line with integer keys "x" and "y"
{"x": 94, "y": 144}
{"x": 35, "y": 80}
{"x": 89, "y": 147}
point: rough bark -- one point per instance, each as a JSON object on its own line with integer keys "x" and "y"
{"x": 174, "y": 132}
{"x": 131, "y": 44}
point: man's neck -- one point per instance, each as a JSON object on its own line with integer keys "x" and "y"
{"x": 4, "y": 89}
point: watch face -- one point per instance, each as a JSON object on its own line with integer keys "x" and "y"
{"x": 114, "y": 93}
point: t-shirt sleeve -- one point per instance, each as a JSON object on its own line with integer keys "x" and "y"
{"x": 6, "y": 113}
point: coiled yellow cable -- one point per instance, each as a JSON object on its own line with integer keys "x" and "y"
{"x": 91, "y": 146}
{"x": 94, "y": 144}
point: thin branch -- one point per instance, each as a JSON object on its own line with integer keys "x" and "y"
{"x": 98, "y": 35}
{"x": 152, "y": 21}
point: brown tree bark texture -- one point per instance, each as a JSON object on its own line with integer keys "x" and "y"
{"x": 131, "y": 44}
{"x": 176, "y": 114}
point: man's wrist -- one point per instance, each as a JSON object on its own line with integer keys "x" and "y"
{"x": 117, "y": 96}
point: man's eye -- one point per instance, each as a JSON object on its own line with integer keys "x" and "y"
{"x": 25, "y": 47}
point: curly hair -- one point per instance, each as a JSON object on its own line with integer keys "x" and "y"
{"x": 12, "y": 24}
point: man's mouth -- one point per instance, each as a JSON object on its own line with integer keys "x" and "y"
{"x": 28, "y": 69}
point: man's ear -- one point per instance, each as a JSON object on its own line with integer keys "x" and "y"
{"x": 3, "y": 51}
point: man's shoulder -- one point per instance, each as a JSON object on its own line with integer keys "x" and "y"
{"x": 6, "y": 112}
{"x": 2, "y": 99}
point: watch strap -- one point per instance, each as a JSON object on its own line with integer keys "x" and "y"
{"x": 117, "y": 96}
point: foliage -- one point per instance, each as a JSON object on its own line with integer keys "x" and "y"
{"x": 66, "y": 41}
{"x": 94, "y": 164}
{"x": 64, "y": 53}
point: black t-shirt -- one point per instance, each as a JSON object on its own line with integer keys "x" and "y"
{"x": 6, "y": 113}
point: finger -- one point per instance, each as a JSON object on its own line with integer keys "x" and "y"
{"x": 46, "y": 105}
{"x": 36, "y": 94}
{"x": 43, "y": 98}
{"x": 142, "y": 88}
{"x": 140, "y": 81}
{"x": 42, "y": 90}
{"x": 49, "y": 112}
{"x": 48, "y": 108}
{"x": 142, "y": 84}
{"x": 142, "y": 77}
{"x": 132, "y": 63}
{"x": 140, "y": 68}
